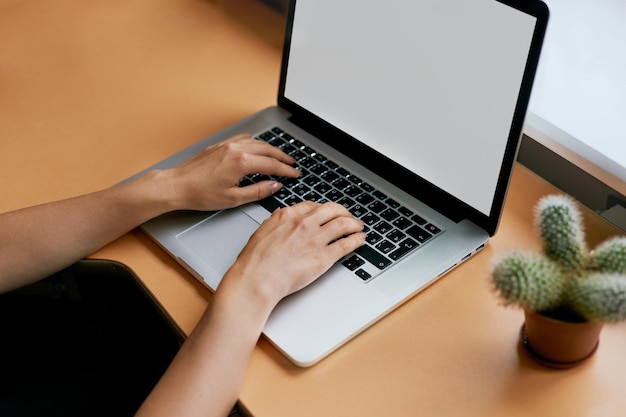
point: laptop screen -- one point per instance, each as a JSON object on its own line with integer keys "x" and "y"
{"x": 432, "y": 84}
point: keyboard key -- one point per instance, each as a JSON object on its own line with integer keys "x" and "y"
{"x": 346, "y": 202}
{"x": 297, "y": 143}
{"x": 287, "y": 147}
{"x": 307, "y": 162}
{"x": 418, "y": 234}
{"x": 291, "y": 200}
{"x": 401, "y": 222}
{"x": 334, "y": 195}
{"x": 363, "y": 274}
{"x": 376, "y": 206}
{"x": 364, "y": 199}
{"x": 355, "y": 179}
{"x": 366, "y": 187}
{"x": 358, "y": 210}
{"x": 270, "y": 204}
{"x": 343, "y": 172}
{"x": 331, "y": 165}
{"x": 405, "y": 211}
{"x": 318, "y": 169}
{"x": 370, "y": 219}
{"x": 389, "y": 214}
{"x": 353, "y": 262}
{"x": 282, "y": 193}
{"x": 373, "y": 257}
{"x": 341, "y": 183}
{"x": 290, "y": 182}
{"x": 323, "y": 187}
{"x": 275, "y": 141}
{"x": 352, "y": 191}
{"x": 395, "y": 236}
{"x": 379, "y": 195}
{"x": 392, "y": 203}
{"x": 418, "y": 219}
{"x": 329, "y": 176}
{"x": 385, "y": 246}
{"x": 266, "y": 136}
{"x": 315, "y": 197}
{"x": 383, "y": 227}
{"x": 432, "y": 228}
{"x": 310, "y": 180}
{"x": 300, "y": 189}
{"x": 256, "y": 178}
{"x": 298, "y": 155}
{"x": 373, "y": 237}
{"x": 405, "y": 247}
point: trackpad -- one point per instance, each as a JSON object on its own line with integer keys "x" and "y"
{"x": 218, "y": 240}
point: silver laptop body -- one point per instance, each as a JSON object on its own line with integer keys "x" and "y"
{"x": 422, "y": 102}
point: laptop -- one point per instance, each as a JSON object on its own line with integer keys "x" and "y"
{"x": 407, "y": 112}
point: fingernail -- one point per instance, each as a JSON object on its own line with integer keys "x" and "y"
{"x": 275, "y": 186}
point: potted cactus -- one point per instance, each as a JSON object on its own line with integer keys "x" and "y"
{"x": 567, "y": 286}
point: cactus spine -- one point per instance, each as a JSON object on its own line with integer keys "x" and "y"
{"x": 567, "y": 281}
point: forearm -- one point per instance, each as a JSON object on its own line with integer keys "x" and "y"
{"x": 40, "y": 240}
{"x": 37, "y": 241}
{"x": 206, "y": 376}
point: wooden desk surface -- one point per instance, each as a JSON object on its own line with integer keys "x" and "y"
{"x": 93, "y": 92}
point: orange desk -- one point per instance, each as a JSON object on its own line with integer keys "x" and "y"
{"x": 93, "y": 92}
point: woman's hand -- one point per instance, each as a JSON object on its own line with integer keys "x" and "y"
{"x": 294, "y": 246}
{"x": 210, "y": 179}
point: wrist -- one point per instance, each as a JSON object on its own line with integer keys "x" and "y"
{"x": 248, "y": 289}
{"x": 156, "y": 192}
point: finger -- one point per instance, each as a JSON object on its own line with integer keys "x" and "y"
{"x": 273, "y": 152}
{"x": 329, "y": 211}
{"x": 343, "y": 246}
{"x": 303, "y": 207}
{"x": 257, "y": 147}
{"x": 269, "y": 166}
{"x": 344, "y": 224}
{"x": 341, "y": 226}
{"x": 335, "y": 221}
{"x": 258, "y": 191}
{"x": 262, "y": 148}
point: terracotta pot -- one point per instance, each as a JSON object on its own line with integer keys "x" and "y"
{"x": 559, "y": 344}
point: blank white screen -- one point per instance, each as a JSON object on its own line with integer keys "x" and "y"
{"x": 430, "y": 84}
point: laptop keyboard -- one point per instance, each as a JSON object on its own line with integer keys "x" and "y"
{"x": 393, "y": 230}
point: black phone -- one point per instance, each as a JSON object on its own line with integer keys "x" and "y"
{"x": 89, "y": 340}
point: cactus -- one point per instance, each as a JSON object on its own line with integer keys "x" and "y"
{"x": 610, "y": 256}
{"x": 561, "y": 230}
{"x": 529, "y": 280}
{"x": 600, "y": 297}
{"x": 567, "y": 281}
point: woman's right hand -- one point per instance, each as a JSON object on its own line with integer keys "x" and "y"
{"x": 294, "y": 246}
